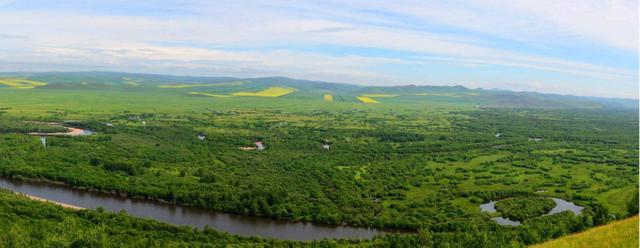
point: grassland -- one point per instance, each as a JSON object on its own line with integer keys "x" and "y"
{"x": 21, "y": 83}
{"x": 365, "y": 99}
{"x": 369, "y": 98}
{"x": 619, "y": 234}
{"x": 128, "y": 81}
{"x": 441, "y": 94}
{"x": 378, "y": 95}
{"x": 616, "y": 198}
{"x": 208, "y": 94}
{"x": 196, "y": 85}
{"x": 269, "y": 92}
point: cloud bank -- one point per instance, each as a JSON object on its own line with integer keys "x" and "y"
{"x": 577, "y": 47}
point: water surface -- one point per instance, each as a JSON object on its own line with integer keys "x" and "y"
{"x": 189, "y": 216}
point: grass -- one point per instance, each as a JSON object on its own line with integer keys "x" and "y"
{"x": 269, "y": 92}
{"x": 129, "y": 81}
{"x": 439, "y": 94}
{"x": 182, "y": 86}
{"x": 208, "y": 94}
{"x": 365, "y": 99}
{"x": 21, "y": 83}
{"x": 368, "y": 98}
{"x": 616, "y": 199}
{"x": 328, "y": 97}
{"x": 378, "y": 95}
{"x": 623, "y": 233}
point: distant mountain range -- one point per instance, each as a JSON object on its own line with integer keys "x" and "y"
{"x": 315, "y": 89}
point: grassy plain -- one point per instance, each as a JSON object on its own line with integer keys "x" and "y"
{"x": 378, "y": 95}
{"x": 21, "y": 83}
{"x": 196, "y": 85}
{"x": 365, "y": 99}
{"x": 208, "y": 94}
{"x": 269, "y": 92}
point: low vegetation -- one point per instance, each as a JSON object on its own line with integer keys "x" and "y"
{"x": 269, "y": 92}
{"x": 208, "y": 94}
{"x": 196, "y": 85}
{"x": 378, "y": 95}
{"x": 21, "y": 83}
{"x": 365, "y": 99}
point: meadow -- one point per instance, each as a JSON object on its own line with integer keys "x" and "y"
{"x": 417, "y": 163}
{"x": 21, "y": 83}
{"x": 622, "y": 233}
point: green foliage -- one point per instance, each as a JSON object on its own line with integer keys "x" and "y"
{"x": 522, "y": 208}
{"x": 416, "y": 162}
{"x": 27, "y": 223}
{"x": 131, "y": 169}
{"x": 632, "y": 206}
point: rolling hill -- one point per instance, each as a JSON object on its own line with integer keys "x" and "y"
{"x": 305, "y": 89}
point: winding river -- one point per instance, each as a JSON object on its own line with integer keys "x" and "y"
{"x": 189, "y": 216}
{"x": 561, "y": 206}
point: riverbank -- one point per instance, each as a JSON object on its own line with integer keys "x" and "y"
{"x": 178, "y": 215}
{"x": 71, "y": 131}
{"x": 64, "y": 205}
{"x": 30, "y": 223}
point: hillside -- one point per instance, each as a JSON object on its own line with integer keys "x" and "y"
{"x": 623, "y": 233}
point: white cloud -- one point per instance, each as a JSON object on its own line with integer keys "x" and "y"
{"x": 6, "y": 2}
{"x": 273, "y": 38}
{"x": 612, "y": 23}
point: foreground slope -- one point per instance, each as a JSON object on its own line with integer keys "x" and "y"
{"x": 623, "y": 233}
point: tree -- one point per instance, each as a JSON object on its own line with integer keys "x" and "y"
{"x": 632, "y": 206}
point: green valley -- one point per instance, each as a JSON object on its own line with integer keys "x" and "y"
{"x": 418, "y": 163}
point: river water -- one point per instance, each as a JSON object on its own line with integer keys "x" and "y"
{"x": 189, "y": 216}
{"x": 561, "y": 206}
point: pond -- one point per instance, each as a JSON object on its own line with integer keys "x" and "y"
{"x": 561, "y": 206}
{"x": 189, "y": 216}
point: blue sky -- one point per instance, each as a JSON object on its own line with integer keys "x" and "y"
{"x": 579, "y": 47}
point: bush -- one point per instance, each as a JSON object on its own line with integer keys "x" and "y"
{"x": 125, "y": 167}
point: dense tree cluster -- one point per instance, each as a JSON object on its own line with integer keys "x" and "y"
{"x": 522, "y": 208}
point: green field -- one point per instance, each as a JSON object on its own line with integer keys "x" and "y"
{"x": 20, "y": 83}
{"x": 422, "y": 163}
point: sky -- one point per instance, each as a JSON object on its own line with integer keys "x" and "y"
{"x": 579, "y": 47}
